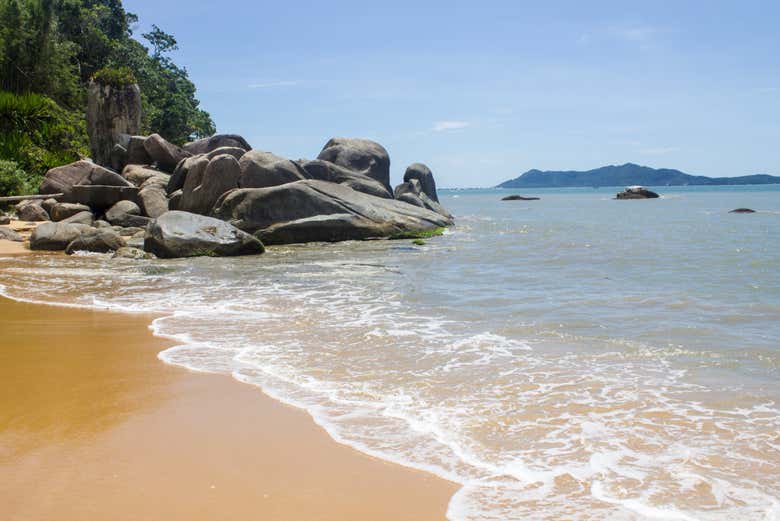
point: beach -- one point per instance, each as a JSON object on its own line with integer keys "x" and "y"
{"x": 94, "y": 426}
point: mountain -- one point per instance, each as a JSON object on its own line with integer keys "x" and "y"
{"x": 625, "y": 175}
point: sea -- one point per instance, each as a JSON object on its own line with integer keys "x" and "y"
{"x": 575, "y": 357}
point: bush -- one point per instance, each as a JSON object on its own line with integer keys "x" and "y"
{"x": 14, "y": 180}
{"x": 115, "y": 76}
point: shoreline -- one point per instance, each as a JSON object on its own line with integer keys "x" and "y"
{"x": 98, "y": 427}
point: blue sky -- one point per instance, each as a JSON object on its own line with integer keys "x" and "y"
{"x": 483, "y": 91}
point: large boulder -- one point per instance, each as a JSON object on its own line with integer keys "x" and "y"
{"x": 31, "y": 210}
{"x": 312, "y": 210}
{"x": 333, "y": 173}
{"x": 100, "y": 197}
{"x": 126, "y": 214}
{"x": 165, "y": 154}
{"x": 153, "y": 201}
{"x": 220, "y": 175}
{"x": 55, "y": 236}
{"x": 359, "y": 155}
{"x": 85, "y": 217}
{"x": 99, "y": 241}
{"x": 139, "y": 174}
{"x": 62, "y": 211}
{"x": 236, "y": 152}
{"x": 411, "y": 192}
{"x": 206, "y": 145}
{"x": 136, "y": 152}
{"x": 112, "y": 111}
{"x": 424, "y": 175}
{"x": 263, "y": 169}
{"x": 183, "y": 234}
{"x": 62, "y": 179}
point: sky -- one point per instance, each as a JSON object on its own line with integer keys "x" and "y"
{"x": 483, "y": 91}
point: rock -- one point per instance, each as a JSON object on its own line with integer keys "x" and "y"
{"x": 112, "y": 111}
{"x": 136, "y": 152}
{"x": 99, "y": 197}
{"x": 742, "y": 210}
{"x": 519, "y": 198}
{"x": 61, "y": 211}
{"x": 99, "y": 241}
{"x": 411, "y": 192}
{"x": 176, "y": 181}
{"x": 63, "y": 178}
{"x": 55, "y": 236}
{"x": 7, "y": 234}
{"x": 359, "y": 155}
{"x": 424, "y": 175}
{"x": 236, "y": 152}
{"x": 118, "y": 158}
{"x": 206, "y": 145}
{"x": 138, "y": 174}
{"x": 85, "y": 217}
{"x": 182, "y": 234}
{"x": 196, "y": 169}
{"x": 154, "y": 201}
{"x": 312, "y": 210}
{"x": 166, "y": 155}
{"x": 326, "y": 171}
{"x": 5, "y": 219}
{"x": 126, "y": 214}
{"x": 135, "y": 242}
{"x": 263, "y": 169}
{"x": 130, "y": 231}
{"x": 31, "y": 210}
{"x": 102, "y": 224}
{"x": 48, "y": 204}
{"x": 127, "y": 252}
{"x": 636, "y": 192}
{"x": 174, "y": 200}
{"x": 221, "y": 175}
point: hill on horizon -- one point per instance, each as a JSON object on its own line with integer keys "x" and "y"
{"x": 626, "y": 175}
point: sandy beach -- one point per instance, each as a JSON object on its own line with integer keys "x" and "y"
{"x": 93, "y": 426}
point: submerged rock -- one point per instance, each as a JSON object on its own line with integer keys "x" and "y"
{"x": 183, "y": 234}
{"x": 742, "y": 210}
{"x": 127, "y": 252}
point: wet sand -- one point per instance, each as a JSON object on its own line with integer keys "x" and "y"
{"x": 93, "y": 426}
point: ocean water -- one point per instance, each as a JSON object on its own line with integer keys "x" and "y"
{"x": 575, "y": 357}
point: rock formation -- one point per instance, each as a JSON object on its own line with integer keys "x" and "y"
{"x": 112, "y": 112}
{"x": 636, "y": 192}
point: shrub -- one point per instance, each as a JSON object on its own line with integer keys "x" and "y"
{"x": 114, "y": 76}
{"x": 14, "y": 180}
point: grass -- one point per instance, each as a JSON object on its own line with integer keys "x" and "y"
{"x": 418, "y": 242}
{"x": 418, "y": 234}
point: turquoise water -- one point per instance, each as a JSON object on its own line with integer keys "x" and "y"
{"x": 574, "y": 357}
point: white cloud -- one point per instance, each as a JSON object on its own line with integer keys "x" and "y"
{"x": 272, "y": 84}
{"x": 444, "y": 126}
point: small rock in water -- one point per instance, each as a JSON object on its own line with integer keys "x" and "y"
{"x": 128, "y": 252}
{"x": 742, "y": 210}
{"x": 519, "y": 198}
{"x": 637, "y": 192}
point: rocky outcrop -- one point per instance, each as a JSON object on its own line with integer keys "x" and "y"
{"x": 206, "y": 145}
{"x": 423, "y": 174}
{"x": 636, "y": 192}
{"x": 64, "y": 178}
{"x": 85, "y": 217}
{"x": 101, "y": 197}
{"x": 311, "y": 210}
{"x": 359, "y": 155}
{"x": 164, "y": 154}
{"x": 99, "y": 241}
{"x": 112, "y": 111}
{"x": 220, "y": 175}
{"x": 139, "y": 174}
{"x": 411, "y": 192}
{"x": 31, "y": 210}
{"x": 126, "y": 214}
{"x": 136, "y": 152}
{"x": 519, "y": 198}
{"x": 182, "y": 234}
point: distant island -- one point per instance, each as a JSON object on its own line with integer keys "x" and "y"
{"x": 628, "y": 174}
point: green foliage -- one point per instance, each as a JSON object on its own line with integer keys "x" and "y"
{"x": 54, "y": 47}
{"x": 14, "y": 180}
{"x": 418, "y": 242}
{"x": 37, "y": 134}
{"x": 419, "y": 234}
{"x": 114, "y": 76}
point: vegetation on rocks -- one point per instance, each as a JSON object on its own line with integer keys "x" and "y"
{"x": 418, "y": 234}
{"x": 49, "y": 52}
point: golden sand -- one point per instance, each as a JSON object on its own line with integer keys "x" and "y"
{"x": 94, "y": 427}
